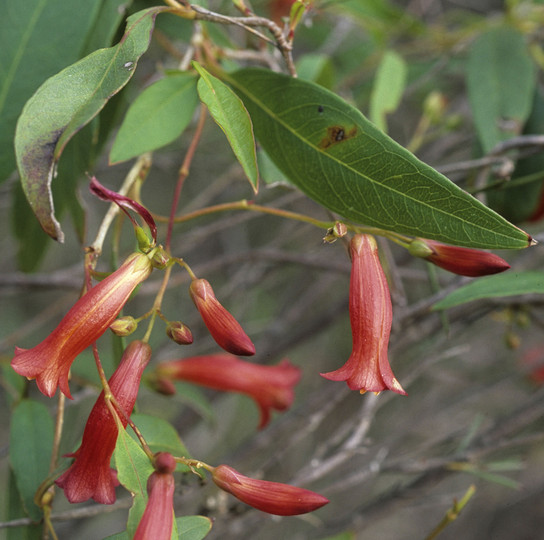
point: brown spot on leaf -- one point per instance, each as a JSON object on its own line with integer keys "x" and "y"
{"x": 337, "y": 134}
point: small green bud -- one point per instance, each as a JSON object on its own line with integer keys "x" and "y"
{"x": 124, "y": 326}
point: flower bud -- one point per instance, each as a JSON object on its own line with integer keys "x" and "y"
{"x": 124, "y": 326}
{"x": 223, "y": 327}
{"x": 160, "y": 258}
{"x": 270, "y": 497}
{"x": 337, "y": 231}
{"x": 179, "y": 333}
{"x": 459, "y": 260}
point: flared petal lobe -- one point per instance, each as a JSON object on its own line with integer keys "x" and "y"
{"x": 458, "y": 260}
{"x": 90, "y": 475}
{"x": 158, "y": 518}
{"x": 270, "y": 497}
{"x": 224, "y": 328}
{"x": 270, "y": 386}
{"x": 50, "y": 361}
{"x": 371, "y": 316}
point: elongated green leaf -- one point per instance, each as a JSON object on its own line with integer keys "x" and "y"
{"x": 337, "y": 157}
{"x": 232, "y": 117}
{"x": 65, "y": 103}
{"x": 501, "y": 81}
{"x": 508, "y": 284}
{"x": 160, "y": 436}
{"x": 157, "y": 117}
{"x": 133, "y": 470}
{"x": 388, "y": 88}
{"x": 193, "y": 527}
{"x": 31, "y": 441}
{"x": 37, "y": 38}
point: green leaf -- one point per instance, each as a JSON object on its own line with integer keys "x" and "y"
{"x": 65, "y": 103}
{"x": 232, "y": 117}
{"x": 388, "y": 88}
{"x": 31, "y": 441}
{"x": 337, "y": 157}
{"x": 498, "y": 286}
{"x": 193, "y": 527}
{"x": 161, "y": 436}
{"x": 133, "y": 469}
{"x": 37, "y": 38}
{"x": 15, "y": 510}
{"x": 157, "y": 117}
{"x": 317, "y": 68}
{"x": 501, "y": 81}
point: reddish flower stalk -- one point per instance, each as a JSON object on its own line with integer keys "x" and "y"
{"x": 158, "y": 518}
{"x": 271, "y": 387}
{"x": 90, "y": 475}
{"x": 125, "y": 203}
{"x": 459, "y": 260}
{"x": 223, "y": 327}
{"x": 371, "y": 316}
{"x": 50, "y": 361}
{"x": 270, "y": 497}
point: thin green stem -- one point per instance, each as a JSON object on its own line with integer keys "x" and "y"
{"x": 452, "y": 513}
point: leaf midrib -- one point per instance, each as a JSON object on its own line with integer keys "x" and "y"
{"x": 358, "y": 173}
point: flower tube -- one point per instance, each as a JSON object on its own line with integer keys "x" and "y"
{"x": 158, "y": 518}
{"x": 271, "y": 387}
{"x": 270, "y": 497}
{"x": 223, "y": 327}
{"x": 50, "y": 361}
{"x": 90, "y": 475}
{"x": 371, "y": 316}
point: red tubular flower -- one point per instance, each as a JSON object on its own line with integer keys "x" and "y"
{"x": 50, "y": 361}
{"x": 158, "y": 517}
{"x": 223, "y": 327}
{"x": 90, "y": 475}
{"x": 371, "y": 315}
{"x": 270, "y": 386}
{"x": 459, "y": 260}
{"x": 270, "y": 497}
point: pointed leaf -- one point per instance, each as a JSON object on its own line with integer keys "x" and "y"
{"x": 133, "y": 469}
{"x": 161, "y": 436}
{"x": 31, "y": 441}
{"x": 157, "y": 117}
{"x": 65, "y": 103}
{"x": 498, "y": 286}
{"x": 193, "y": 527}
{"x": 37, "y": 38}
{"x": 232, "y": 117}
{"x": 501, "y": 81}
{"x": 340, "y": 159}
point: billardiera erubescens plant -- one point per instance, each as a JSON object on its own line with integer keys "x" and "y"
{"x": 278, "y": 125}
